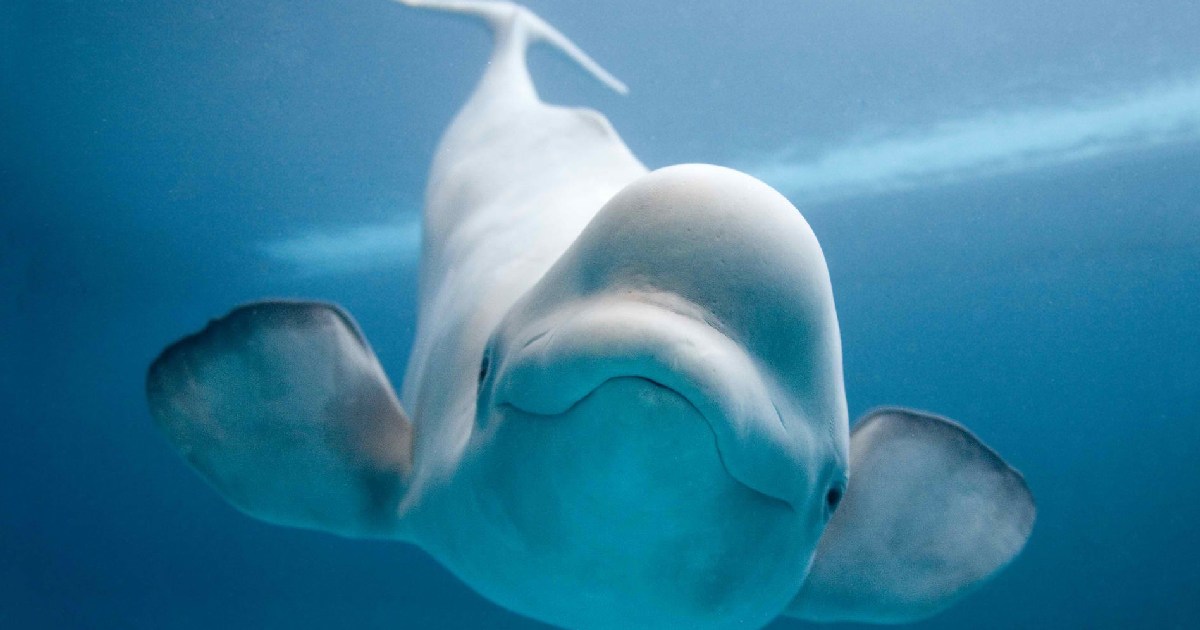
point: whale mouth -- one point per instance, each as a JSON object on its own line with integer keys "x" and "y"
{"x": 673, "y": 345}
{"x": 653, "y": 384}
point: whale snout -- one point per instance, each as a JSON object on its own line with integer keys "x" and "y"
{"x": 670, "y": 344}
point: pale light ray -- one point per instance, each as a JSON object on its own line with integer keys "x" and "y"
{"x": 349, "y": 250}
{"x": 991, "y": 144}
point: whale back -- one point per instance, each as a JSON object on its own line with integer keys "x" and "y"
{"x": 514, "y": 181}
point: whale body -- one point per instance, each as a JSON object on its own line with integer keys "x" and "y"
{"x": 624, "y": 404}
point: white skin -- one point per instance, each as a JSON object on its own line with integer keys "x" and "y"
{"x": 625, "y": 395}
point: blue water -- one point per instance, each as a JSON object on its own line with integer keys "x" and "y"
{"x": 151, "y": 149}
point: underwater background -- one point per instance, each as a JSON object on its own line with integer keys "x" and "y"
{"x": 1008, "y": 195}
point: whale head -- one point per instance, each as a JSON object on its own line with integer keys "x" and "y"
{"x": 662, "y": 415}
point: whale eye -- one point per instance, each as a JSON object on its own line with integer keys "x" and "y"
{"x": 483, "y": 367}
{"x": 833, "y": 498}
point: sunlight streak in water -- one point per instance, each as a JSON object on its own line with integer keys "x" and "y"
{"x": 349, "y": 250}
{"x": 992, "y": 144}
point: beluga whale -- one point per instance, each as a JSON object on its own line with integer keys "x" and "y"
{"x": 624, "y": 405}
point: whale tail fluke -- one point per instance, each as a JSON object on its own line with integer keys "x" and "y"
{"x": 516, "y": 27}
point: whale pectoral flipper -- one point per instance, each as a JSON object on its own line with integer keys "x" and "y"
{"x": 284, "y": 409}
{"x": 930, "y": 512}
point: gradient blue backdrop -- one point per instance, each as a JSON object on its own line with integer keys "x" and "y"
{"x": 149, "y": 149}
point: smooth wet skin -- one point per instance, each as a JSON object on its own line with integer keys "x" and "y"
{"x": 624, "y": 406}
{"x": 624, "y": 497}
{"x": 708, "y": 281}
{"x": 624, "y": 390}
